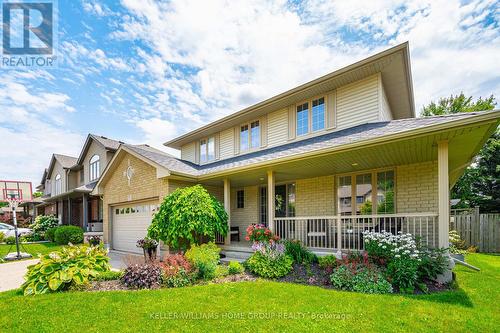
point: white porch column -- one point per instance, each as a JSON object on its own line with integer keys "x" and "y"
{"x": 270, "y": 200}
{"x": 443, "y": 195}
{"x": 227, "y": 207}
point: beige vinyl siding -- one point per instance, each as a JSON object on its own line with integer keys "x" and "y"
{"x": 227, "y": 143}
{"x": 357, "y": 103}
{"x": 385, "y": 109}
{"x": 277, "y": 127}
{"x": 188, "y": 152}
{"x": 94, "y": 149}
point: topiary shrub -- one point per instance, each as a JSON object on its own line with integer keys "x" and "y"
{"x": 70, "y": 267}
{"x": 188, "y": 216}
{"x": 204, "y": 258}
{"x": 142, "y": 276}
{"x": 68, "y": 234}
{"x": 50, "y": 234}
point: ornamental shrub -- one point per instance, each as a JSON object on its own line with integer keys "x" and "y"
{"x": 457, "y": 244}
{"x": 269, "y": 260}
{"x": 204, "y": 258}
{"x": 221, "y": 271}
{"x": 364, "y": 280}
{"x": 42, "y": 223}
{"x": 235, "y": 268}
{"x": 180, "y": 279}
{"x": 299, "y": 253}
{"x": 402, "y": 272}
{"x": 10, "y": 240}
{"x": 142, "y": 276}
{"x": 50, "y": 234}
{"x": 328, "y": 262}
{"x": 70, "y": 267}
{"x": 432, "y": 263}
{"x": 68, "y": 234}
{"x": 188, "y": 216}
{"x": 176, "y": 271}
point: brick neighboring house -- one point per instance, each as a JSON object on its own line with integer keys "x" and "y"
{"x": 321, "y": 163}
{"x": 68, "y": 182}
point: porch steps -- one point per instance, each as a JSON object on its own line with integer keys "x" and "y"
{"x": 239, "y": 256}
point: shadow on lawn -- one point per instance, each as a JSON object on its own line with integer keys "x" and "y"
{"x": 455, "y": 297}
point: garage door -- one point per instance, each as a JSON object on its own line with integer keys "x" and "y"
{"x": 130, "y": 223}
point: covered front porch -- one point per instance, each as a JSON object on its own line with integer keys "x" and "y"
{"x": 328, "y": 200}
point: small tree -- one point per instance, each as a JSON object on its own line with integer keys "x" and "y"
{"x": 188, "y": 216}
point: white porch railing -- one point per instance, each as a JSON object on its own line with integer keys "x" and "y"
{"x": 346, "y": 232}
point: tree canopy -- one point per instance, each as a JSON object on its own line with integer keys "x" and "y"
{"x": 480, "y": 183}
{"x": 188, "y": 216}
{"x": 457, "y": 104}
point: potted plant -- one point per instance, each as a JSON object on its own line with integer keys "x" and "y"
{"x": 94, "y": 240}
{"x": 149, "y": 247}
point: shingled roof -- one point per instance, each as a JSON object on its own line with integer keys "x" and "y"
{"x": 66, "y": 161}
{"x": 339, "y": 138}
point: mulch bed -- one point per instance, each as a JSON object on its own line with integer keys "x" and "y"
{"x": 311, "y": 275}
{"x": 107, "y": 285}
{"x": 235, "y": 278}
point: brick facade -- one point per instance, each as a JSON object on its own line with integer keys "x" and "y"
{"x": 417, "y": 188}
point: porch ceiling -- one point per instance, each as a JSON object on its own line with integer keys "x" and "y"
{"x": 464, "y": 143}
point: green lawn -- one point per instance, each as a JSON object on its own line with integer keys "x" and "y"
{"x": 474, "y": 307}
{"x": 33, "y": 249}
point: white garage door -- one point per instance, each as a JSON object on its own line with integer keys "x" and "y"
{"x": 130, "y": 223}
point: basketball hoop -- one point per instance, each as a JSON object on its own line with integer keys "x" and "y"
{"x": 14, "y": 203}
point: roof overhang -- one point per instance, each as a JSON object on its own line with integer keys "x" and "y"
{"x": 393, "y": 64}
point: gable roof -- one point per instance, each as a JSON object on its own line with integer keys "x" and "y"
{"x": 376, "y": 132}
{"x": 393, "y": 64}
{"x": 66, "y": 162}
{"x": 106, "y": 143}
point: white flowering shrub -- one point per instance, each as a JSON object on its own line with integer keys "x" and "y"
{"x": 384, "y": 245}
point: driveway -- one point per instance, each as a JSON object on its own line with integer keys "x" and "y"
{"x": 12, "y": 273}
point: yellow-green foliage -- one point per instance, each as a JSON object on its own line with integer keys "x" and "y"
{"x": 69, "y": 267}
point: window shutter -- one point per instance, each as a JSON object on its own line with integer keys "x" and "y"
{"x": 197, "y": 152}
{"x": 291, "y": 122}
{"x": 236, "y": 140}
{"x": 263, "y": 131}
{"x": 331, "y": 110}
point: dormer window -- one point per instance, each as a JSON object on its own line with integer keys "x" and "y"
{"x": 311, "y": 119}
{"x": 207, "y": 150}
{"x": 95, "y": 169}
{"x": 250, "y": 136}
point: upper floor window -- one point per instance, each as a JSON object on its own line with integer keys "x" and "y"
{"x": 316, "y": 114}
{"x": 207, "y": 150}
{"x": 302, "y": 119}
{"x": 94, "y": 168}
{"x": 57, "y": 185}
{"x": 250, "y": 136}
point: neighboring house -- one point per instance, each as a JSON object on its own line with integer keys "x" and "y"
{"x": 68, "y": 182}
{"x": 303, "y": 163}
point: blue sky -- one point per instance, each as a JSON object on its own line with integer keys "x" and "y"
{"x": 146, "y": 71}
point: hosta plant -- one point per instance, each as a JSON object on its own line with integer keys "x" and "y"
{"x": 69, "y": 267}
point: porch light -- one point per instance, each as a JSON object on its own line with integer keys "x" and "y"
{"x": 354, "y": 164}
{"x": 261, "y": 178}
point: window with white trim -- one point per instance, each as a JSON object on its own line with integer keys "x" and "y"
{"x": 240, "y": 199}
{"x": 310, "y": 119}
{"x": 250, "y": 136}
{"x": 361, "y": 199}
{"x": 95, "y": 168}
{"x": 207, "y": 150}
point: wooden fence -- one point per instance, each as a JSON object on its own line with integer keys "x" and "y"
{"x": 481, "y": 230}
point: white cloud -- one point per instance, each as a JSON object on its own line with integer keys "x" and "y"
{"x": 156, "y": 131}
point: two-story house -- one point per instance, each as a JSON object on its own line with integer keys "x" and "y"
{"x": 68, "y": 182}
{"x": 320, "y": 163}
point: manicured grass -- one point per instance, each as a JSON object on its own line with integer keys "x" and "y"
{"x": 33, "y": 249}
{"x": 471, "y": 308}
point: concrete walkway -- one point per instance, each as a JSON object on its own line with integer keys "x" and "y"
{"x": 12, "y": 273}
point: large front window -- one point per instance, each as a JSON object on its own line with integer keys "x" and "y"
{"x": 207, "y": 150}
{"x": 94, "y": 168}
{"x": 360, "y": 199}
{"x": 58, "y": 185}
{"x": 318, "y": 114}
{"x": 310, "y": 119}
{"x": 284, "y": 202}
{"x": 302, "y": 119}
